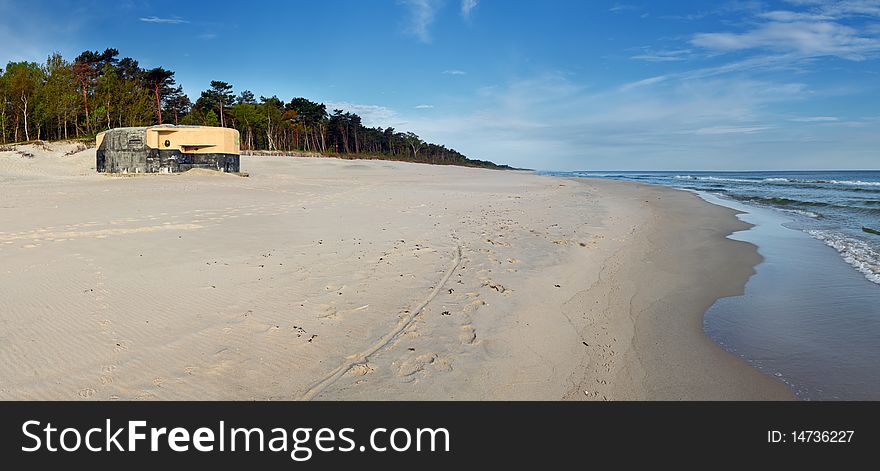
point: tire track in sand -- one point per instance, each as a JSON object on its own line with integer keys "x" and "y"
{"x": 360, "y": 358}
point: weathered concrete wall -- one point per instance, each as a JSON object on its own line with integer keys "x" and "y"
{"x": 126, "y": 150}
{"x": 122, "y": 151}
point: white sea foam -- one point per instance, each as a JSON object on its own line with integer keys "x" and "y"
{"x": 822, "y": 182}
{"x": 779, "y": 180}
{"x": 713, "y": 179}
{"x": 856, "y": 252}
{"x": 853, "y": 183}
{"x": 808, "y": 214}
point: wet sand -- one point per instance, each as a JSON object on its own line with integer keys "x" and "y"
{"x": 335, "y": 279}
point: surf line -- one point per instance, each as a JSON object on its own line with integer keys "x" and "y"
{"x": 361, "y": 358}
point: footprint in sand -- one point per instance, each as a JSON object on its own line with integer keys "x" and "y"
{"x": 467, "y": 334}
{"x": 86, "y": 392}
{"x": 414, "y": 365}
{"x": 362, "y": 369}
{"x": 474, "y": 306}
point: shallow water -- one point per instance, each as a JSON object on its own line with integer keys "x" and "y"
{"x": 805, "y": 317}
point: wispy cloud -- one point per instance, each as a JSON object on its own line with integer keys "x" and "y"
{"x": 424, "y": 107}
{"x": 467, "y": 7}
{"x": 454, "y": 72}
{"x": 663, "y": 56}
{"x": 372, "y": 115}
{"x": 421, "y": 16}
{"x": 807, "y": 38}
{"x": 817, "y": 29}
{"x": 174, "y": 20}
{"x": 643, "y": 83}
{"x": 816, "y": 119}
{"x": 716, "y": 130}
{"x": 622, "y": 7}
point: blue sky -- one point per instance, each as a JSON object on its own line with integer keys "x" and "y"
{"x": 564, "y": 85}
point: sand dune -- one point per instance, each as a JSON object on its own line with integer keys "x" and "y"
{"x": 331, "y": 279}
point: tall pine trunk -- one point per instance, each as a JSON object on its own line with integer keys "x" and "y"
{"x": 86, "y": 106}
{"x": 158, "y": 103}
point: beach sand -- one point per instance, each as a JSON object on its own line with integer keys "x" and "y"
{"x": 336, "y": 279}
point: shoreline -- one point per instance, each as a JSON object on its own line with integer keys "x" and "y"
{"x": 339, "y": 279}
{"x": 671, "y": 356}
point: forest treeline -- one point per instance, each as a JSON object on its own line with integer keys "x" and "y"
{"x": 99, "y": 91}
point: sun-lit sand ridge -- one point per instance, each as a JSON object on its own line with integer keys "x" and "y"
{"x": 333, "y": 279}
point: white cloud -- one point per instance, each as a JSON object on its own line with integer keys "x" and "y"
{"x": 806, "y": 38}
{"x": 421, "y": 16}
{"x": 819, "y": 28}
{"x": 174, "y": 20}
{"x": 643, "y": 83}
{"x": 782, "y": 15}
{"x": 372, "y": 115}
{"x": 424, "y": 107}
{"x": 467, "y": 7}
{"x": 622, "y": 7}
{"x": 454, "y": 72}
{"x": 715, "y": 130}
{"x": 816, "y": 119}
{"x": 663, "y": 56}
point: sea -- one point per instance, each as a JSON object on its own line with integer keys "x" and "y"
{"x": 811, "y": 314}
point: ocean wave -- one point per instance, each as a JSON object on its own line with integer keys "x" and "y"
{"x": 801, "y": 212}
{"x": 866, "y": 190}
{"x": 715, "y": 179}
{"x": 872, "y": 185}
{"x": 855, "y": 252}
{"x": 781, "y": 201}
{"x": 823, "y": 182}
{"x": 804, "y": 206}
{"x": 849, "y": 182}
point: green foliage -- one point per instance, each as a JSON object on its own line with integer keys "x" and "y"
{"x": 64, "y": 100}
{"x": 210, "y": 119}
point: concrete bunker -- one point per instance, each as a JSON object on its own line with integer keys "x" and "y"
{"x": 168, "y": 149}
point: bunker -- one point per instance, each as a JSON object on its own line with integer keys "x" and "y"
{"x": 167, "y": 149}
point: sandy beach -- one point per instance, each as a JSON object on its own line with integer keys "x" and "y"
{"x": 335, "y": 279}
